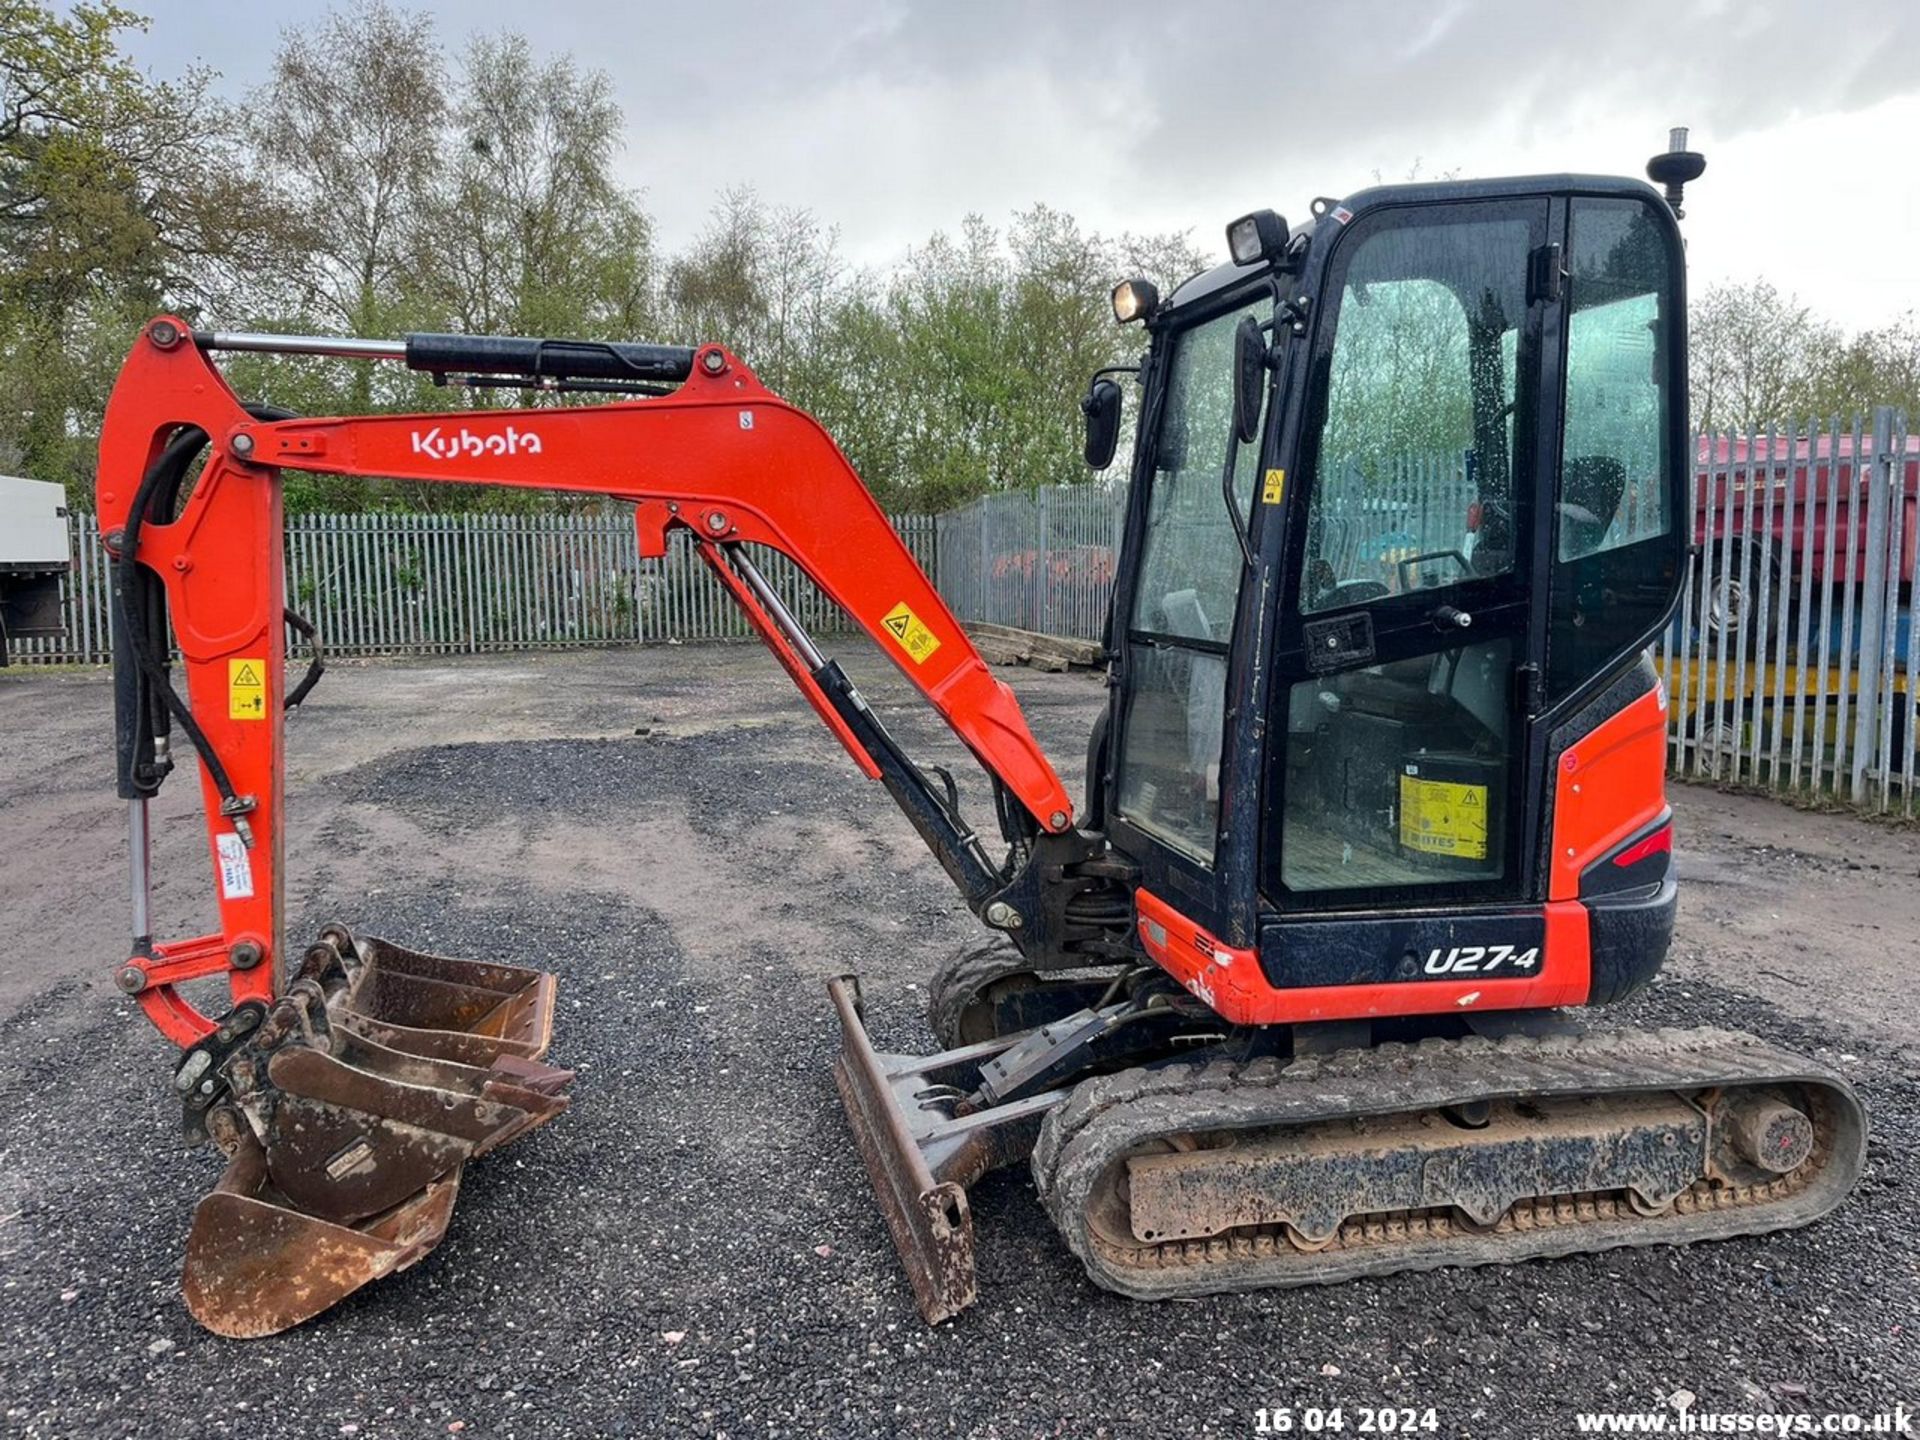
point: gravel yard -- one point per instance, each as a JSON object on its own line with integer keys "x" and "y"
{"x": 692, "y": 1249}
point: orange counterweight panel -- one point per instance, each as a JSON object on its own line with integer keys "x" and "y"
{"x": 1231, "y": 981}
{"x": 1609, "y": 785}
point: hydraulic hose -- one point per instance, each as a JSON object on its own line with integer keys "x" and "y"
{"x": 162, "y": 483}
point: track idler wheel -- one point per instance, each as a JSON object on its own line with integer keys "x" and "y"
{"x": 989, "y": 989}
{"x": 347, "y": 1112}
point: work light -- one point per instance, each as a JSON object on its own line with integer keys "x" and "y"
{"x": 1259, "y": 236}
{"x": 1135, "y": 300}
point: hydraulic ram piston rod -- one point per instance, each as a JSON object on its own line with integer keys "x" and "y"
{"x": 776, "y": 607}
{"x": 338, "y": 347}
{"x": 140, "y": 871}
{"x": 478, "y": 354}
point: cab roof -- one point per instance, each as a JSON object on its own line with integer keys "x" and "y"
{"x": 1209, "y": 283}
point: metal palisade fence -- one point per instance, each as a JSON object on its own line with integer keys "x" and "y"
{"x": 1038, "y": 560}
{"x": 1790, "y": 665}
{"x": 405, "y": 584}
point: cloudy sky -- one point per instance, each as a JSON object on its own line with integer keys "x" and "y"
{"x": 893, "y": 118}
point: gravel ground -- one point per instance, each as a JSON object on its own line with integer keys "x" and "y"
{"x": 691, "y": 1249}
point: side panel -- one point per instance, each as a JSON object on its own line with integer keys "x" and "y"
{"x": 1232, "y": 982}
{"x": 1609, "y": 785}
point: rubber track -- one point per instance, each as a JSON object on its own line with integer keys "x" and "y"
{"x": 960, "y": 979}
{"x": 1106, "y": 1117}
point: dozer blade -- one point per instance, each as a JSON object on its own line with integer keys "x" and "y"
{"x": 348, "y": 1109}
{"x": 256, "y": 1265}
{"x": 920, "y": 1160}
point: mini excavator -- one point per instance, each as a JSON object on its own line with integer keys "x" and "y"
{"x": 1376, "y": 802}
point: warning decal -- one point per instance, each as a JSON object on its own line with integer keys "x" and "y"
{"x": 1275, "y": 487}
{"x": 236, "y": 871}
{"x": 916, "y": 639}
{"x": 246, "y": 689}
{"x": 1439, "y": 817}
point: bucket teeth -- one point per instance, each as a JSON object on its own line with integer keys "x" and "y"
{"x": 366, "y": 1089}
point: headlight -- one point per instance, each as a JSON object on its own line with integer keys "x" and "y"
{"x": 1259, "y": 236}
{"x": 1134, "y": 300}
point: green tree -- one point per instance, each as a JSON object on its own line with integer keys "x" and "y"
{"x": 348, "y": 133}
{"x": 982, "y": 345}
{"x": 1880, "y": 366}
{"x": 528, "y": 231}
{"x": 114, "y": 202}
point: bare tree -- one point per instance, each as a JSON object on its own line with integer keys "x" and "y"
{"x": 1752, "y": 355}
{"x": 349, "y": 132}
{"x": 531, "y": 233}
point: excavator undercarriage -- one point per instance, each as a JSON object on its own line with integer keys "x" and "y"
{"x": 1215, "y": 1167}
{"x": 1376, "y": 800}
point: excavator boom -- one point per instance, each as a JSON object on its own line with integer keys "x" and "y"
{"x": 348, "y": 1084}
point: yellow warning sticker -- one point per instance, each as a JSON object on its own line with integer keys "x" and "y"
{"x": 1440, "y": 817}
{"x": 1275, "y": 487}
{"x": 916, "y": 639}
{"x": 246, "y": 689}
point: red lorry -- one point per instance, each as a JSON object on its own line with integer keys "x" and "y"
{"x": 1813, "y": 499}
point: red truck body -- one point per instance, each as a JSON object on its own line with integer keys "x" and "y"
{"x": 1808, "y": 492}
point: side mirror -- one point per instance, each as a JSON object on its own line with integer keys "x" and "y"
{"x": 1101, "y": 406}
{"x": 1249, "y": 379}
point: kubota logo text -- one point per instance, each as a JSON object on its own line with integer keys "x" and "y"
{"x": 464, "y": 442}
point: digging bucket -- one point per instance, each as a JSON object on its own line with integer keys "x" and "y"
{"x": 347, "y": 1110}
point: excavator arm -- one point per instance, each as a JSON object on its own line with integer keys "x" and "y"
{"x": 719, "y": 456}
{"x": 349, "y": 1083}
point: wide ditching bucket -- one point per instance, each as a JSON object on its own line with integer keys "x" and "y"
{"x": 347, "y": 1110}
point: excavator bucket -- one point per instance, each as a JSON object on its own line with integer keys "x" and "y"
{"x": 256, "y": 1265}
{"x": 465, "y": 1010}
{"x": 348, "y": 1110}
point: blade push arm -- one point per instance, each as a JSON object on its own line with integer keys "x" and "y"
{"x": 721, "y": 457}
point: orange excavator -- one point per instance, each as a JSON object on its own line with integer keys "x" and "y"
{"x": 1375, "y": 804}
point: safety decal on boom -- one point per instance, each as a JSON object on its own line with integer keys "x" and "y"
{"x": 246, "y": 689}
{"x": 916, "y": 639}
{"x": 1440, "y": 817}
{"x": 236, "y": 871}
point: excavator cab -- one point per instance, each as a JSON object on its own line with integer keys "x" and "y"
{"x": 1382, "y": 767}
{"x": 1353, "y": 651}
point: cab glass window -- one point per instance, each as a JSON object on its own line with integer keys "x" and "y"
{"x": 1184, "y": 602}
{"x": 1412, "y": 485}
{"x": 1616, "y": 558}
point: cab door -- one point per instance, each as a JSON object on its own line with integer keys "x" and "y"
{"x": 1409, "y": 646}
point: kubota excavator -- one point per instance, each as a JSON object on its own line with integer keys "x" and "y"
{"x": 1377, "y": 796}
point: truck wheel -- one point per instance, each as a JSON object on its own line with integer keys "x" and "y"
{"x": 1734, "y": 601}
{"x": 1715, "y": 737}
